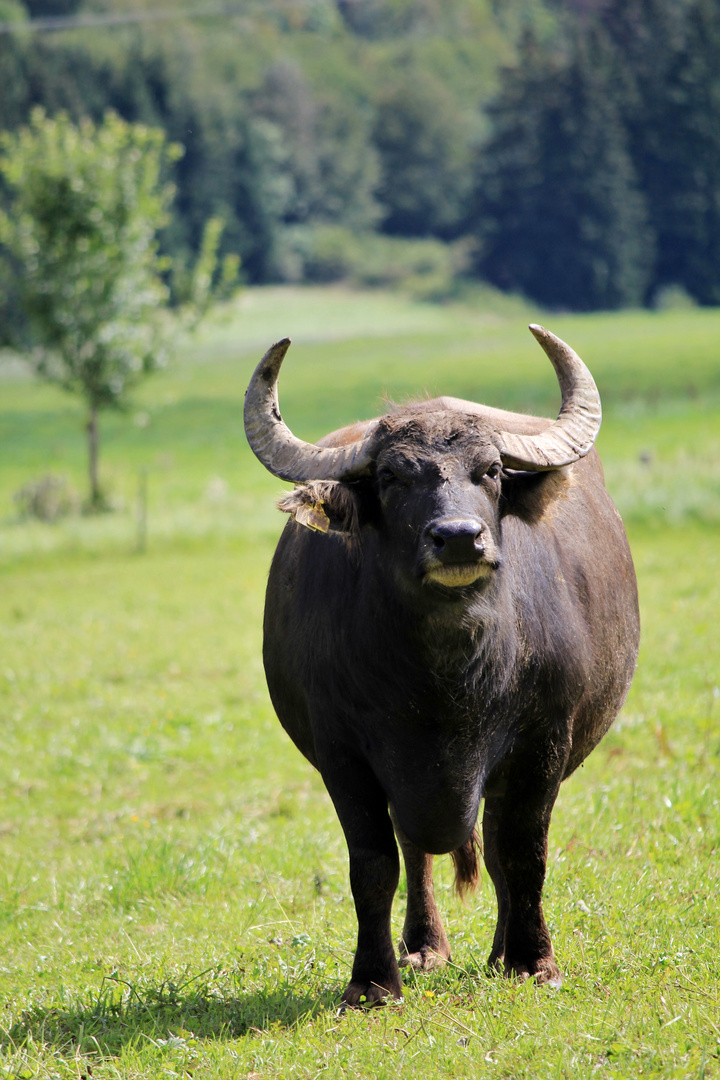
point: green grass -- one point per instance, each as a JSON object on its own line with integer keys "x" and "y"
{"x": 173, "y": 882}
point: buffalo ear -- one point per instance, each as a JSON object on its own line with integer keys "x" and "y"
{"x": 529, "y": 495}
{"x": 323, "y": 506}
{"x": 305, "y": 509}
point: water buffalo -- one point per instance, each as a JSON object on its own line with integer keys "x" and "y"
{"x": 451, "y": 616}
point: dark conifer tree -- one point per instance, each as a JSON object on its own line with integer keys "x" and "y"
{"x": 559, "y": 214}
{"x": 14, "y": 90}
{"x": 40, "y": 9}
{"x": 668, "y": 65}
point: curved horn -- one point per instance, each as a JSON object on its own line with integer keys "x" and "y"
{"x": 275, "y": 445}
{"x": 578, "y": 423}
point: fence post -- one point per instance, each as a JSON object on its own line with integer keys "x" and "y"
{"x": 141, "y": 541}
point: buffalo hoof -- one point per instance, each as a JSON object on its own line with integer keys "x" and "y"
{"x": 495, "y": 965}
{"x": 545, "y": 972}
{"x": 361, "y": 995}
{"x": 424, "y": 959}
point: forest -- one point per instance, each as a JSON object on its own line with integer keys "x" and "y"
{"x": 564, "y": 150}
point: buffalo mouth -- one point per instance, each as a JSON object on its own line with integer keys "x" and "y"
{"x": 457, "y": 575}
{"x": 456, "y": 552}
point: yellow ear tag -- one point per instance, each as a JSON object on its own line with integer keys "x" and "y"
{"x": 312, "y": 517}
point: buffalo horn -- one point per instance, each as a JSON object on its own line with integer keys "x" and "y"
{"x": 578, "y": 423}
{"x": 274, "y": 444}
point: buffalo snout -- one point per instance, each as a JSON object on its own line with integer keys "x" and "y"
{"x": 457, "y": 540}
{"x": 455, "y": 552}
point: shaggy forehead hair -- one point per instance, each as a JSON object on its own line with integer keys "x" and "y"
{"x": 412, "y": 428}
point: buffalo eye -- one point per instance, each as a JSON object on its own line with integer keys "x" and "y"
{"x": 385, "y": 475}
{"x": 492, "y": 473}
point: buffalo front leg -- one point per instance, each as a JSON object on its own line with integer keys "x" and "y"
{"x": 361, "y": 806}
{"x": 492, "y": 864}
{"x": 424, "y": 945}
{"x": 516, "y": 821}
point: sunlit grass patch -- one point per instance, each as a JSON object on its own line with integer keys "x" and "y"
{"x": 160, "y": 867}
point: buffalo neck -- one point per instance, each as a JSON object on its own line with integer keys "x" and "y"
{"x": 452, "y": 633}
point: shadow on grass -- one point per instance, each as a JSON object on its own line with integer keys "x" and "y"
{"x": 122, "y": 1015}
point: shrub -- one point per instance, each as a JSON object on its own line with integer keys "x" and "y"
{"x": 331, "y": 253}
{"x": 47, "y": 499}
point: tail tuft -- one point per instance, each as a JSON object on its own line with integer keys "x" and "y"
{"x": 467, "y": 870}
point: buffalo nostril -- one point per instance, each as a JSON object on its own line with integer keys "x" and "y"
{"x": 457, "y": 540}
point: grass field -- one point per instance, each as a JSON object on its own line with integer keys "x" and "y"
{"x": 173, "y": 882}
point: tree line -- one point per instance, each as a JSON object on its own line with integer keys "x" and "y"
{"x": 568, "y": 150}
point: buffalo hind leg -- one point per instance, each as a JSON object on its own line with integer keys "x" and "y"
{"x": 424, "y": 945}
{"x": 515, "y": 825}
{"x": 361, "y": 806}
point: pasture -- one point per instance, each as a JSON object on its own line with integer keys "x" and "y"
{"x": 173, "y": 882}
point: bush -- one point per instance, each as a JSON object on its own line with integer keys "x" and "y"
{"x": 673, "y": 298}
{"x": 47, "y": 499}
{"x": 331, "y": 253}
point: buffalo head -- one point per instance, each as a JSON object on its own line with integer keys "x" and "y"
{"x": 430, "y": 479}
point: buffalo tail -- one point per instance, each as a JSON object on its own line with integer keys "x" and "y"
{"x": 467, "y": 870}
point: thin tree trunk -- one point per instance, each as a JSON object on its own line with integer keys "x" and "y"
{"x": 93, "y": 448}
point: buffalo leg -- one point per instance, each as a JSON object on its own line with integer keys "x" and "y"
{"x": 424, "y": 944}
{"x": 515, "y": 827}
{"x": 492, "y": 864}
{"x": 361, "y": 806}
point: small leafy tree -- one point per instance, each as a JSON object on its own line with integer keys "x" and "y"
{"x": 87, "y": 202}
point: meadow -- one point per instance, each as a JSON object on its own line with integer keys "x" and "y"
{"x": 174, "y": 899}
